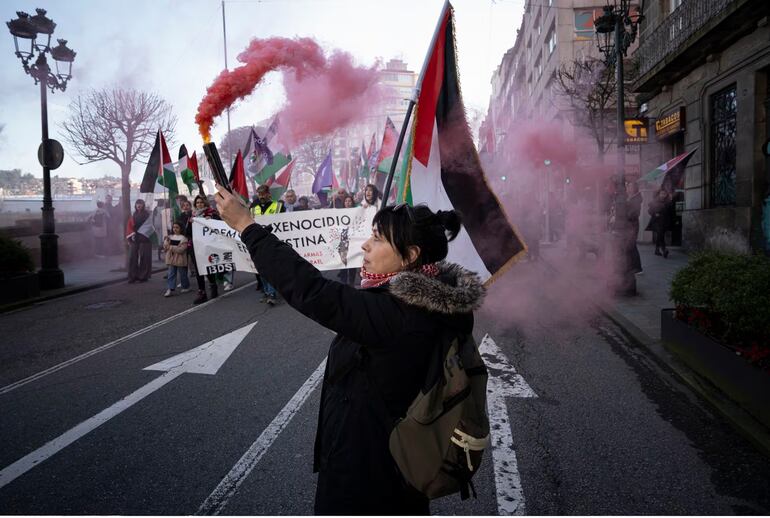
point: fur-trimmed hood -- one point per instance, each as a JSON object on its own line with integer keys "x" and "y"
{"x": 454, "y": 290}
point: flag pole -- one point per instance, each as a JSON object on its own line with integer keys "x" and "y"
{"x": 412, "y": 102}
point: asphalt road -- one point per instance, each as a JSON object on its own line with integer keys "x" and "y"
{"x": 609, "y": 431}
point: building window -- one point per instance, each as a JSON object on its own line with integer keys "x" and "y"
{"x": 551, "y": 40}
{"x": 724, "y": 110}
{"x": 584, "y": 23}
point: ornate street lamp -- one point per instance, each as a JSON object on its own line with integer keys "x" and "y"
{"x": 34, "y": 33}
{"x": 618, "y": 20}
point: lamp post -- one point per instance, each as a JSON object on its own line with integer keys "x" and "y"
{"x": 32, "y": 39}
{"x": 618, "y": 21}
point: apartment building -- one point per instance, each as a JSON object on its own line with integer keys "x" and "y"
{"x": 704, "y": 68}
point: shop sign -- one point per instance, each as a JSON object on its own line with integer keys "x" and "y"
{"x": 636, "y": 130}
{"x": 670, "y": 124}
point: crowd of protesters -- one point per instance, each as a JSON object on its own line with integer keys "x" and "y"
{"x": 173, "y": 239}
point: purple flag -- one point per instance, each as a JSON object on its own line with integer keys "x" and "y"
{"x": 323, "y": 177}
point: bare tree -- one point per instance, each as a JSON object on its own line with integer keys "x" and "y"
{"x": 311, "y": 153}
{"x": 589, "y": 87}
{"x": 118, "y": 125}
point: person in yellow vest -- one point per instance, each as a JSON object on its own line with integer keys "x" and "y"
{"x": 264, "y": 206}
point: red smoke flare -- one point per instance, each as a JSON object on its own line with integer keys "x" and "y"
{"x": 322, "y": 94}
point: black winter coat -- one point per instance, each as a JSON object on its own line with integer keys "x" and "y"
{"x": 662, "y": 213}
{"x": 376, "y": 366}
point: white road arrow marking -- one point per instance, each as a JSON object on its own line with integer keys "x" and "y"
{"x": 205, "y": 359}
{"x": 504, "y": 382}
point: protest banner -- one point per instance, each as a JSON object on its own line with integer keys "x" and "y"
{"x": 329, "y": 239}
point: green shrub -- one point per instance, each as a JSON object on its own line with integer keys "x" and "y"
{"x": 727, "y": 296}
{"x": 15, "y": 258}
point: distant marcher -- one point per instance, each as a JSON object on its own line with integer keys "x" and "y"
{"x": 175, "y": 246}
{"x": 290, "y": 200}
{"x": 349, "y": 202}
{"x": 265, "y": 207}
{"x": 372, "y": 196}
{"x": 633, "y": 210}
{"x": 337, "y": 201}
{"x": 302, "y": 204}
{"x": 157, "y": 222}
{"x": 100, "y": 220}
{"x": 138, "y": 234}
{"x": 662, "y": 220}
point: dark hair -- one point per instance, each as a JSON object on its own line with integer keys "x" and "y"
{"x": 404, "y": 226}
{"x": 375, "y": 192}
{"x": 202, "y": 198}
{"x": 99, "y": 204}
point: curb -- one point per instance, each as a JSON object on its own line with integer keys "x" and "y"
{"x": 741, "y": 421}
{"x": 65, "y": 292}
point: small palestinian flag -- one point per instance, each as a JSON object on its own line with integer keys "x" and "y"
{"x": 442, "y": 168}
{"x": 238, "y": 178}
{"x": 184, "y": 166}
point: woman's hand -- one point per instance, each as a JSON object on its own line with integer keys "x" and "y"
{"x": 232, "y": 210}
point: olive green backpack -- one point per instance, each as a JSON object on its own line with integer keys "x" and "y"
{"x": 438, "y": 445}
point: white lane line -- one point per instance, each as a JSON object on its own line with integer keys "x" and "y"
{"x": 49, "y": 449}
{"x": 219, "y": 498}
{"x": 205, "y": 359}
{"x": 71, "y": 361}
{"x": 504, "y": 382}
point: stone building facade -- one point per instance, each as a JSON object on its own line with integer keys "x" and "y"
{"x": 704, "y": 67}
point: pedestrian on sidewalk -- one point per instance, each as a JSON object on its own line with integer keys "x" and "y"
{"x": 138, "y": 233}
{"x": 411, "y": 305}
{"x": 175, "y": 246}
{"x": 203, "y": 210}
{"x": 100, "y": 220}
{"x": 633, "y": 211}
{"x": 661, "y": 210}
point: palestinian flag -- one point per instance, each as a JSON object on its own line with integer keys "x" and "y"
{"x": 671, "y": 173}
{"x": 168, "y": 177}
{"x": 387, "y": 150}
{"x": 443, "y": 168}
{"x": 184, "y": 166}
{"x": 161, "y": 178}
{"x": 282, "y": 180}
{"x": 279, "y": 162}
{"x": 238, "y": 178}
{"x": 193, "y": 163}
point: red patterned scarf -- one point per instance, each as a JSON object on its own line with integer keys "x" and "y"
{"x": 373, "y": 280}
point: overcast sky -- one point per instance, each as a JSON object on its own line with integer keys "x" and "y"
{"x": 175, "y": 48}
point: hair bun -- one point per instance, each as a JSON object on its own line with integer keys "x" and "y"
{"x": 451, "y": 221}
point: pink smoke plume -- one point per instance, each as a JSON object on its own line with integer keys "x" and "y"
{"x": 322, "y": 93}
{"x": 561, "y": 282}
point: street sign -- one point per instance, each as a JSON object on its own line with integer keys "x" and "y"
{"x": 50, "y": 154}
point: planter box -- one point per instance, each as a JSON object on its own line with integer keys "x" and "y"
{"x": 745, "y": 384}
{"x": 20, "y": 287}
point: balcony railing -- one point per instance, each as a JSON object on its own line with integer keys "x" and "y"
{"x": 675, "y": 29}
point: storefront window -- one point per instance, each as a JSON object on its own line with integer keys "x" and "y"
{"x": 724, "y": 109}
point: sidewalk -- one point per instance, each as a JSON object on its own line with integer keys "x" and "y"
{"x": 87, "y": 274}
